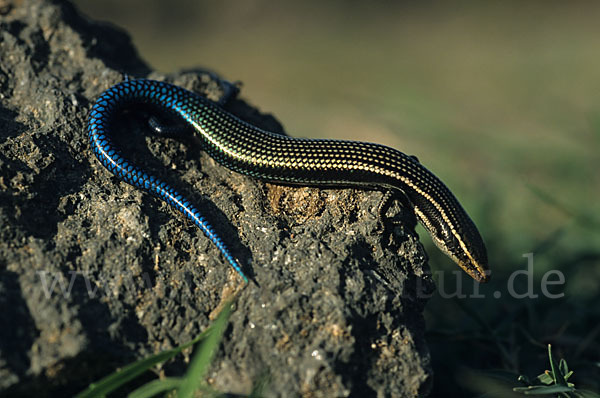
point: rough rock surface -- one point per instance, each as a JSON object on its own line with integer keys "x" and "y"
{"x": 95, "y": 274}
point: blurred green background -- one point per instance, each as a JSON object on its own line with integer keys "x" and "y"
{"x": 500, "y": 99}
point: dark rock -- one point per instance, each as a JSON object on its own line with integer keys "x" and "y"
{"x": 95, "y": 274}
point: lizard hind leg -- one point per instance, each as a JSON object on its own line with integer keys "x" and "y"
{"x": 401, "y": 207}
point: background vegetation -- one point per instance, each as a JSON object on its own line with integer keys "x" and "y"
{"x": 500, "y": 99}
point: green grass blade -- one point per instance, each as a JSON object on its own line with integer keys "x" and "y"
{"x": 260, "y": 385}
{"x": 156, "y": 387}
{"x": 559, "y": 379}
{"x": 203, "y": 357}
{"x": 564, "y": 368}
{"x": 122, "y": 376}
{"x": 543, "y": 390}
{"x": 586, "y": 394}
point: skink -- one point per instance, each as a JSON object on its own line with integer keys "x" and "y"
{"x": 249, "y": 150}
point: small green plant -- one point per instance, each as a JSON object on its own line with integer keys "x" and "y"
{"x": 180, "y": 387}
{"x": 553, "y": 382}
